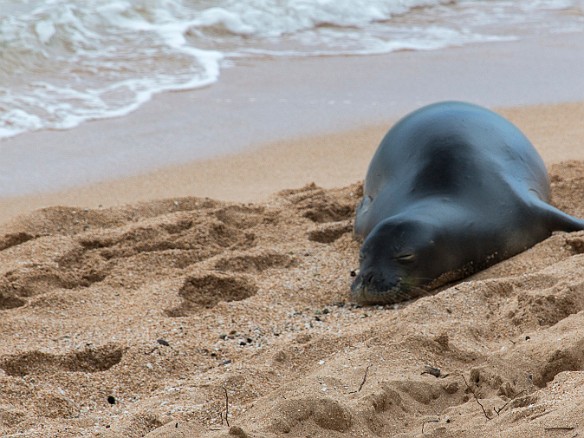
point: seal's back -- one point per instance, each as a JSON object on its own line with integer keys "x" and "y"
{"x": 449, "y": 149}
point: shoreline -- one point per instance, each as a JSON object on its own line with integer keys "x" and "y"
{"x": 266, "y": 101}
{"x": 329, "y": 160}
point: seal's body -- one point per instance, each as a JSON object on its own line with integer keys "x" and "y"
{"x": 452, "y": 188}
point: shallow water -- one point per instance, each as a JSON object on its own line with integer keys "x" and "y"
{"x": 63, "y": 62}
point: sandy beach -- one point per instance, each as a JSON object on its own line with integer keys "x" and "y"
{"x": 210, "y": 298}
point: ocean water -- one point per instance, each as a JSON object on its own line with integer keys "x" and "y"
{"x": 63, "y": 62}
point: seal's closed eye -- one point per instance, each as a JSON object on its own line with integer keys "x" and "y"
{"x": 406, "y": 258}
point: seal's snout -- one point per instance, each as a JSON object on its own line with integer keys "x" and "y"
{"x": 369, "y": 288}
{"x": 363, "y": 281}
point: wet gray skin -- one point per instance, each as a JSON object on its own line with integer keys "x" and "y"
{"x": 452, "y": 188}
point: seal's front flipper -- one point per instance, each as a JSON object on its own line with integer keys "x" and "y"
{"x": 360, "y": 217}
{"x": 557, "y": 220}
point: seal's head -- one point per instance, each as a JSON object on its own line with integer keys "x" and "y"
{"x": 397, "y": 258}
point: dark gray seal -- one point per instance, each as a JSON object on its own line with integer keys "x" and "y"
{"x": 452, "y": 188}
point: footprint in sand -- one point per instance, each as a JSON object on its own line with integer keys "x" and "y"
{"x": 14, "y": 239}
{"x": 327, "y": 413}
{"x": 185, "y": 239}
{"x": 206, "y": 291}
{"x": 90, "y": 360}
{"x": 8, "y": 301}
{"x": 241, "y": 217}
{"x": 566, "y": 358}
{"x": 22, "y": 283}
{"x": 330, "y": 232}
{"x": 320, "y": 205}
{"x": 256, "y": 261}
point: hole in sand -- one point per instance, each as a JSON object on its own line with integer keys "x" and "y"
{"x": 208, "y": 290}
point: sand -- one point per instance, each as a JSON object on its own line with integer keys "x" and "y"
{"x": 192, "y": 316}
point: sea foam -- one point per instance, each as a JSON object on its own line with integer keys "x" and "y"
{"x": 63, "y": 62}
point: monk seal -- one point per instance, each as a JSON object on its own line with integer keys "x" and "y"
{"x": 452, "y": 188}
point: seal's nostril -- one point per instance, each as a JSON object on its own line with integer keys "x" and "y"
{"x": 368, "y": 278}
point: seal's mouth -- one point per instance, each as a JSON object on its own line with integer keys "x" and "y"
{"x": 368, "y": 289}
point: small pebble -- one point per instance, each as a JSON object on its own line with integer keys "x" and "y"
{"x": 434, "y": 371}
